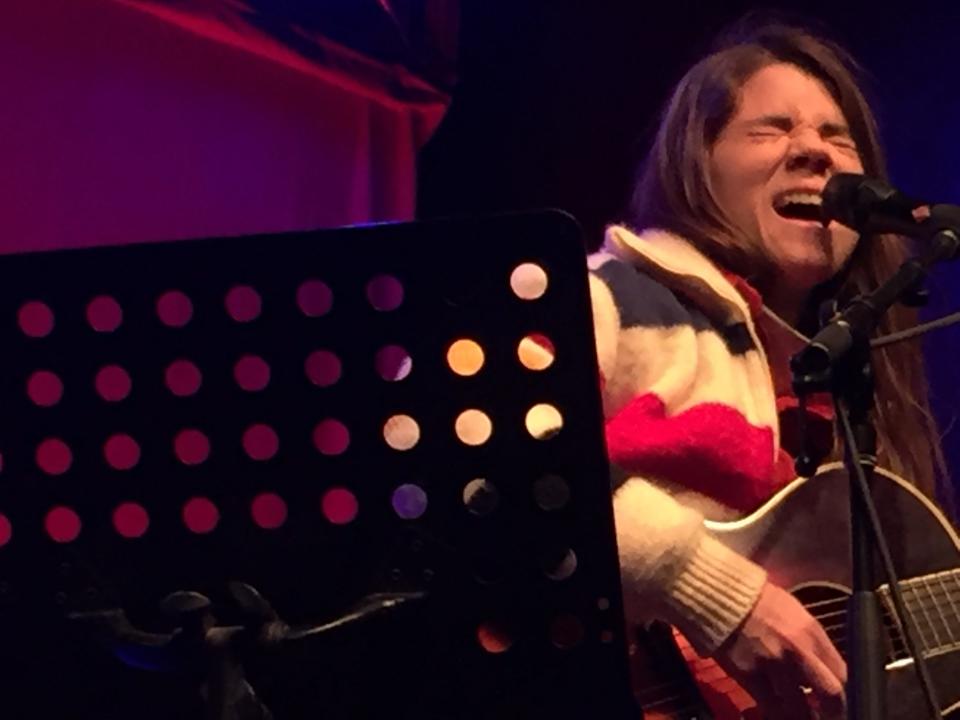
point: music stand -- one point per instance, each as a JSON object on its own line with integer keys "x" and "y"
{"x": 182, "y": 416}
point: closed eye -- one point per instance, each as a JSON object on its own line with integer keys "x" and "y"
{"x": 844, "y": 143}
{"x": 770, "y": 126}
{"x": 839, "y": 135}
{"x": 766, "y": 132}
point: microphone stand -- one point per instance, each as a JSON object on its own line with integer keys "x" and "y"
{"x": 838, "y": 359}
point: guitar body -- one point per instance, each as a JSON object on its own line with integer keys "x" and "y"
{"x": 802, "y": 537}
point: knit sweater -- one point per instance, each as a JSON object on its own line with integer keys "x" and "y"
{"x": 691, "y": 415}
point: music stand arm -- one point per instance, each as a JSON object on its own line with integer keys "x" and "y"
{"x": 219, "y": 651}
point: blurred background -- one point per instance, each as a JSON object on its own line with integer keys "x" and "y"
{"x": 140, "y": 120}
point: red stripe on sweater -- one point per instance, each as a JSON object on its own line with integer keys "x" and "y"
{"x": 710, "y": 448}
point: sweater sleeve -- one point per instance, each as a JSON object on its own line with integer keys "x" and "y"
{"x": 671, "y": 568}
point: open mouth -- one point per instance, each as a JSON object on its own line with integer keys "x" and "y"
{"x": 805, "y": 206}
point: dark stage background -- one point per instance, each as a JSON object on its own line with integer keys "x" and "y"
{"x": 146, "y": 120}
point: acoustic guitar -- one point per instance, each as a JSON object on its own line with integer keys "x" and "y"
{"x": 802, "y": 537}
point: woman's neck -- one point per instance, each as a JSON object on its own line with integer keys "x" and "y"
{"x": 780, "y": 344}
{"x": 787, "y": 302}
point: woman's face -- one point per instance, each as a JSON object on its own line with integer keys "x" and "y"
{"x": 768, "y": 167}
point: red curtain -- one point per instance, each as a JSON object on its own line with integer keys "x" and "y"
{"x": 130, "y": 120}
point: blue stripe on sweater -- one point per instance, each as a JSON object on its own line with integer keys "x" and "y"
{"x": 641, "y": 301}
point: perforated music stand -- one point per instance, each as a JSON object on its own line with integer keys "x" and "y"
{"x": 181, "y": 416}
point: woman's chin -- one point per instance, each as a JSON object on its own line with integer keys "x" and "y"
{"x": 805, "y": 271}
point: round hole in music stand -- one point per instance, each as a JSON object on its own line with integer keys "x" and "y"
{"x": 104, "y": 314}
{"x": 481, "y": 497}
{"x": 385, "y": 293}
{"x": 35, "y": 319}
{"x": 45, "y": 388}
{"x": 269, "y": 511}
{"x": 191, "y": 446}
{"x": 473, "y": 427}
{"x": 340, "y": 506}
{"x": 113, "y": 383}
{"x": 174, "y": 309}
{"x": 183, "y": 378}
{"x": 260, "y": 442}
{"x": 131, "y": 520}
{"x": 465, "y": 357}
{"x": 323, "y": 368}
{"x": 566, "y": 631}
{"x": 409, "y": 501}
{"x": 243, "y": 304}
{"x": 401, "y": 432}
{"x": 494, "y": 637}
{"x": 536, "y": 352}
{"x": 6, "y": 530}
{"x": 551, "y": 492}
{"x": 393, "y": 363}
{"x": 560, "y": 566}
{"x": 121, "y": 451}
{"x": 314, "y": 298}
{"x": 529, "y": 281}
{"x": 331, "y": 437}
{"x": 544, "y": 421}
{"x": 252, "y": 373}
{"x": 200, "y": 515}
{"x": 54, "y": 456}
{"x": 62, "y": 524}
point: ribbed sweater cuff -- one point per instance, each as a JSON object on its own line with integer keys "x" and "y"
{"x": 712, "y": 595}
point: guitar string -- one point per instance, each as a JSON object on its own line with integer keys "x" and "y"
{"x": 897, "y": 641}
{"x": 888, "y": 622}
{"x": 922, "y": 609}
{"x": 837, "y": 633}
{"x": 893, "y": 630}
{"x": 918, "y": 607}
{"x": 923, "y": 604}
{"x": 912, "y": 605}
{"x": 943, "y": 619}
{"x": 947, "y": 593}
{"x": 824, "y": 603}
{"x": 659, "y": 702}
{"x": 911, "y": 584}
{"x": 923, "y": 639}
{"x": 915, "y": 604}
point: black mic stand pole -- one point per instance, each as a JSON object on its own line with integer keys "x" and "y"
{"x": 838, "y": 359}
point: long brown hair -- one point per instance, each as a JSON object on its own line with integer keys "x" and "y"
{"x": 673, "y": 191}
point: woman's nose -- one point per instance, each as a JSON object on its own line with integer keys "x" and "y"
{"x": 809, "y": 151}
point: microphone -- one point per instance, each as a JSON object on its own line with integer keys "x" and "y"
{"x": 871, "y": 206}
